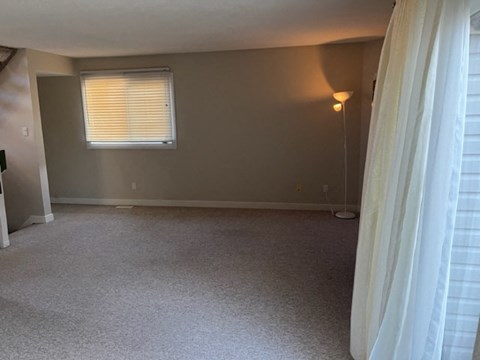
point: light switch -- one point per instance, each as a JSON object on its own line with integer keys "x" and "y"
{"x": 25, "y": 131}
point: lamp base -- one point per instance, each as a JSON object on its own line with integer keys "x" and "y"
{"x": 345, "y": 215}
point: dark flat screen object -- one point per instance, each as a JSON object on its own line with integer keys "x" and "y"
{"x": 3, "y": 161}
{"x": 3, "y": 164}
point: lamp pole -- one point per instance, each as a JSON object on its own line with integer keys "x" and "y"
{"x": 342, "y": 97}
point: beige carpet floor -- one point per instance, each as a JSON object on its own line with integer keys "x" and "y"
{"x": 176, "y": 283}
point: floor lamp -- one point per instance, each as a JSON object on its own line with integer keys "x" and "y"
{"x": 342, "y": 97}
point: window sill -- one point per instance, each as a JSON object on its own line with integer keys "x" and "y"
{"x": 131, "y": 145}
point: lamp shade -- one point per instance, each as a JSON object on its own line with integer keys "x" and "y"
{"x": 342, "y": 96}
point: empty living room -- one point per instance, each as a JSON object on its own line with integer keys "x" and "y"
{"x": 236, "y": 180}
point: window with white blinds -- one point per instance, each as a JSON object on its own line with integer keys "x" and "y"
{"x": 463, "y": 306}
{"x": 129, "y": 108}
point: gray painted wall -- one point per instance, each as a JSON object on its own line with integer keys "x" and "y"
{"x": 44, "y": 64}
{"x": 26, "y": 184}
{"x": 21, "y": 180}
{"x": 250, "y": 126}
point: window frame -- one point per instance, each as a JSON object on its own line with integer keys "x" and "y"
{"x": 165, "y": 145}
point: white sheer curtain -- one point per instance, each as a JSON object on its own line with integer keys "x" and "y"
{"x": 411, "y": 183}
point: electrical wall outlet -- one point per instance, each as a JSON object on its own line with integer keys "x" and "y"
{"x": 325, "y": 188}
{"x": 298, "y": 188}
{"x": 134, "y": 186}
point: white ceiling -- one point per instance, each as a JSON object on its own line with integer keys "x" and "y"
{"x": 86, "y": 28}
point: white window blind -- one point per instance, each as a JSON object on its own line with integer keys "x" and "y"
{"x": 129, "y": 108}
{"x": 463, "y": 306}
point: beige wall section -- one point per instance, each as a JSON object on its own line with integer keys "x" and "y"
{"x": 371, "y": 58}
{"x": 250, "y": 125}
{"x": 26, "y": 185}
{"x": 21, "y": 180}
{"x": 44, "y": 64}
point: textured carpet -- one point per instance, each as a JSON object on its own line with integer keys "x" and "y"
{"x": 174, "y": 283}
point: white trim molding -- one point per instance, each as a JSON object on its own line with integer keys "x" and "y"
{"x": 203, "y": 204}
{"x": 4, "y": 240}
{"x": 38, "y": 219}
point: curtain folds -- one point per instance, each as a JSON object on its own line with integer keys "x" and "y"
{"x": 411, "y": 183}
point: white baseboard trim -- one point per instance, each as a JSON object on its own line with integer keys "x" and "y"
{"x": 203, "y": 204}
{"x": 38, "y": 219}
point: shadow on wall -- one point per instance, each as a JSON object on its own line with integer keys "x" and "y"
{"x": 339, "y": 65}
